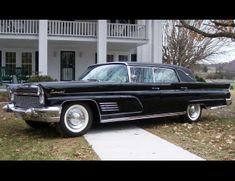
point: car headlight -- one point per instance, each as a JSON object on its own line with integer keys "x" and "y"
{"x": 12, "y": 96}
{"x": 41, "y": 96}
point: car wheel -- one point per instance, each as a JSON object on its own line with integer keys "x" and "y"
{"x": 75, "y": 120}
{"x": 36, "y": 124}
{"x": 193, "y": 113}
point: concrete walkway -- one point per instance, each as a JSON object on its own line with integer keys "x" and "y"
{"x": 133, "y": 143}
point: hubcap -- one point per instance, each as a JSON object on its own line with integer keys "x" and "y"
{"x": 194, "y": 111}
{"x": 76, "y": 118}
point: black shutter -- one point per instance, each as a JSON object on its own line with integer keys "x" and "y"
{"x": 133, "y": 57}
{"x": 0, "y": 58}
{"x": 36, "y": 63}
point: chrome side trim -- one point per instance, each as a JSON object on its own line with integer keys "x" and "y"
{"x": 217, "y": 107}
{"x": 44, "y": 114}
{"x": 142, "y": 117}
{"x": 129, "y": 73}
{"x": 202, "y": 100}
{"x": 109, "y": 106}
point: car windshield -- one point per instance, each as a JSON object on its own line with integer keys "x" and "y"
{"x": 111, "y": 73}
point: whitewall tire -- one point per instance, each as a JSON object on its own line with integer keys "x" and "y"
{"x": 76, "y": 120}
{"x": 193, "y": 113}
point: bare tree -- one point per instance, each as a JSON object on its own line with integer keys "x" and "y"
{"x": 184, "y": 47}
{"x": 212, "y": 28}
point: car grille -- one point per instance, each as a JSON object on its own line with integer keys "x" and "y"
{"x": 26, "y": 101}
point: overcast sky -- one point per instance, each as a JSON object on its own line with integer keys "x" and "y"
{"x": 227, "y": 56}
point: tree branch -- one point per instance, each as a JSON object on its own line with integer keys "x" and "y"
{"x": 217, "y": 23}
{"x": 206, "y": 34}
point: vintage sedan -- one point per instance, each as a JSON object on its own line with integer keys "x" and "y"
{"x": 116, "y": 92}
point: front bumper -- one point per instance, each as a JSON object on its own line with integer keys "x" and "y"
{"x": 44, "y": 114}
{"x": 229, "y": 101}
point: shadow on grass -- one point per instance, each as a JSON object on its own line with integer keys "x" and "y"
{"x": 51, "y": 132}
{"x": 47, "y": 133}
{"x": 141, "y": 122}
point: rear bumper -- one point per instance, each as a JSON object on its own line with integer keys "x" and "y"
{"x": 44, "y": 114}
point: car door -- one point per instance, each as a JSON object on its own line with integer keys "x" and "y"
{"x": 145, "y": 89}
{"x": 173, "y": 95}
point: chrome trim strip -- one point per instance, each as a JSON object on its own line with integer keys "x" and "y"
{"x": 206, "y": 100}
{"x": 110, "y": 110}
{"x": 107, "y": 103}
{"x": 44, "y": 114}
{"x": 217, "y": 107}
{"x": 25, "y": 94}
{"x": 129, "y": 73}
{"x": 142, "y": 117}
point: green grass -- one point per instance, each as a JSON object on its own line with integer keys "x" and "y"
{"x": 212, "y": 138}
{"x": 20, "y": 142}
{"x": 3, "y": 97}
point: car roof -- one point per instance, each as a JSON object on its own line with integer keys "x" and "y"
{"x": 145, "y": 65}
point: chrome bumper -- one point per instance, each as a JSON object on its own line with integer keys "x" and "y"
{"x": 44, "y": 114}
{"x": 229, "y": 101}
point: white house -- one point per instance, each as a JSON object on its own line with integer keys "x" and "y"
{"x": 64, "y": 49}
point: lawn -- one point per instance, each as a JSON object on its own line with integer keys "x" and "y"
{"x": 20, "y": 142}
{"x": 213, "y": 138}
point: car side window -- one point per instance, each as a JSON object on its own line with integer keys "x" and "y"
{"x": 164, "y": 75}
{"x": 141, "y": 75}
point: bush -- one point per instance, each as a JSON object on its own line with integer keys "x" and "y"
{"x": 232, "y": 87}
{"x": 41, "y": 78}
{"x": 200, "y": 79}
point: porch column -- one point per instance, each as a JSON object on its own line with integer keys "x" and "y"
{"x": 102, "y": 41}
{"x": 157, "y": 41}
{"x": 144, "y": 52}
{"x": 43, "y": 64}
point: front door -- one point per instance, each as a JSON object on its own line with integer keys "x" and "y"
{"x": 67, "y": 65}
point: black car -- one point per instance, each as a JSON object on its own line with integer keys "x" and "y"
{"x": 116, "y": 92}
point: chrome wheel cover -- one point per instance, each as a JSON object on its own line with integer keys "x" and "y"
{"x": 194, "y": 111}
{"x": 76, "y": 118}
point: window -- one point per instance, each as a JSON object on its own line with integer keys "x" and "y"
{"x": 110, "y": 58}
{"x": 10, "y": 63}
{"x": 124, "y": 21}
{"x": 165, "y": 75}
{"x": 123, "y": 58}
{"x": 110, "y": 73}
{"x": 27, "y": 63}
{"x": 141, "y": 75}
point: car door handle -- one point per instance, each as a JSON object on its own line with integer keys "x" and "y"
{"x": 183, "y": 88}
{"x": 155, "y": 88}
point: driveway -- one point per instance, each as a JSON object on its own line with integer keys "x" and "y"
{"x": 128, "y": 142}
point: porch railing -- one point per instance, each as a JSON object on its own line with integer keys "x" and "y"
{"x": 72, "y": 28}
{"x": 7, "y": 75}
{"x": 25, "y": 27}
{"x": 129, "y": 31}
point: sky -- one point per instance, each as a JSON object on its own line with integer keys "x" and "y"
{"x": 227, "y": 56}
